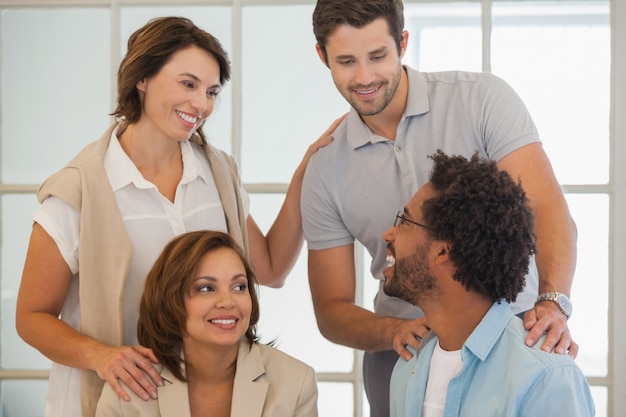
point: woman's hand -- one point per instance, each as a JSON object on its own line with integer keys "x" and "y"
{"x": 322, "y": 141}
{"x": 130, "y": 365}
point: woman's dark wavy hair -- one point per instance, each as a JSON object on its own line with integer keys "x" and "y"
{"x": 329, "y": 14}
{"x": 162, "y": 315}
{"x": 486, "y": 218}
{"x": 149, "y": 49}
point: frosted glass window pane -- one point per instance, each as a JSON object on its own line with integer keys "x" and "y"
{"x": 289, "y": 98}
{"x": 370, "y": 284}
{"x": 589, "y": 322}
{"x": 56, "y": 85}
{"x": 558, "y": 60}
{"x": 23, "y": 398}
{"x": 287, "y": 313}
{"x": 443, "y": 37}
{"x": 335, "y": 399}
{"x": 17, "y": 211}
{"x": 215, "y": 20}
{"x": 600, "y": 398}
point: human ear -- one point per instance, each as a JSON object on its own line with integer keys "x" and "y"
{"x": 442, "y": 251}
{"x": 141, "y": 85}
{"x": 404, "y": 41}
{"x": 321, "y": 54}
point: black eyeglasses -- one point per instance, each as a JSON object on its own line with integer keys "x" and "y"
{"x": 401, "y": 219}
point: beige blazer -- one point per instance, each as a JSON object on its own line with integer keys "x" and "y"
{"x": 268, "y": 383}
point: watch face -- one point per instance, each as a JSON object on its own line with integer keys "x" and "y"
{"x": 565, "y": 303}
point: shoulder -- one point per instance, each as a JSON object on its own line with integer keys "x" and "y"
{"x": 278, "y": 361}
{"x": 326, "y": 164}
{"x": 480, "y": 84}
{"x": 458, "y": 77}
{"x": 110, "y": 405}
{"x": 531, "y": 359}
{"x": 66, "y": 183}
{"x": 209, "y": 151}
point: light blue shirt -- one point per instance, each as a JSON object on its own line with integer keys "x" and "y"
{"x": 501, "y": 376}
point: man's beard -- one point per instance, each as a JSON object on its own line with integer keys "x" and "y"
{"x": 412, "y": 278}
{"x": 390, "y": 88}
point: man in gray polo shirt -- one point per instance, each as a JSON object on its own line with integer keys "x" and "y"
{"x": 379, "y": 159}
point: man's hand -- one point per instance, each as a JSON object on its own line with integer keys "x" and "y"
{"x": 546, "y": 316}
{"x": 409, "y": 333}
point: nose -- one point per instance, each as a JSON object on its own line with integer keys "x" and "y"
{"x": 364, "y": 75}
{"x": 390, "y": 234}
{"x": 202, "y": 103}
{"x": 225, "y": 300}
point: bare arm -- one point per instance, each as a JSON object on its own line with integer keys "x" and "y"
{"x": 556, "y": 243}
{"x": 274, "y": 254}
{"x": 333, "y": 283}
{"x": 45, "y": 283}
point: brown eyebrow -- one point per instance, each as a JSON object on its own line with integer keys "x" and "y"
{"x": 382, "y": 49}
{"x": 214, "y": 279}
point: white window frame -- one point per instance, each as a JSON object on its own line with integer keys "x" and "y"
{"x": 615, "y": 381}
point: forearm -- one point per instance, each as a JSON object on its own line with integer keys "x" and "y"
{"x": 57, "y": 341}
{"x": 274, "y": 254}
{"x": 285, "y": 237}
{"x": 556, "y": 248}
{"x": 350, "y": 325}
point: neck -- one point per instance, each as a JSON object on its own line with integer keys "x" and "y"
{"x": 214, "y": 366}
{"x": 149, "y": 149}
{"x": 454, "y": 319}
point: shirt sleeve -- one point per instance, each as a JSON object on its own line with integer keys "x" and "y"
{"x": 506, "y": 122}
{"x": 321, "y": 221}
{"x": 62, "y": 223}
{"x": 565, "y": 383}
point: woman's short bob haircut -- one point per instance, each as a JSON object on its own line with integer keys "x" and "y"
{"x": 149, "y": 49}
{"x": 162, "y": 314}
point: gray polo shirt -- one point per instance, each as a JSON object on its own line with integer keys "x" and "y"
{"x": 354, "y": 187}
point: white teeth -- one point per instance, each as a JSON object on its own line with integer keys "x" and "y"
{"x": 223, "y": 321}
{"x": 391, "y": 261}
{"x": 187, "y": 118}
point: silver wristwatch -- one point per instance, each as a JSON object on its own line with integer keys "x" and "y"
{"x": 560, "y": 299}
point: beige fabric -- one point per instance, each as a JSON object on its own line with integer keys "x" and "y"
{"x": 106, "y": 250}
{"x": 268, "y": 383}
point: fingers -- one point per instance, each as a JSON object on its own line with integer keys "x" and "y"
{"x": 573, "y": 350}
{"x": 334, "y": 125}
{"x": 544, "y": 319}
{"x": 530, "y": 319}
{"x": 325, "y": 139}
{"x": 410, "y": 334}
{"x": 125, "y": 368}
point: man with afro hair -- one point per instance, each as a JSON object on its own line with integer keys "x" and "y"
{"x": 460, "y": 250}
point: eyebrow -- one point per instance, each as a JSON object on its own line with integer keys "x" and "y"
{"x": 382, "y": 49}
{"x": 190, "y": 75}
{"x": 214, "y": 279}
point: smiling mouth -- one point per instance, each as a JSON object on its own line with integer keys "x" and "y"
{"x": 391, "y": 260}
{"x": 187, "y": 118}
{"x": 223, "y": 321}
